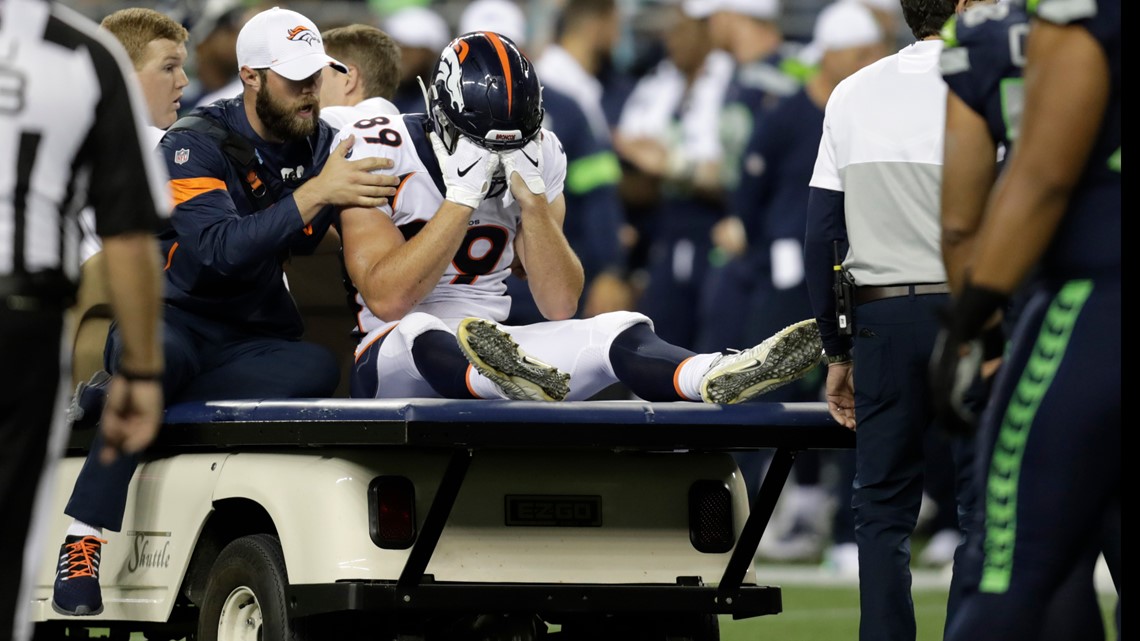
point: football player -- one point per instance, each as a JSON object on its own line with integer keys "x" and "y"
{"x": 982, "y": 63}
{"x": 481, "y": 196}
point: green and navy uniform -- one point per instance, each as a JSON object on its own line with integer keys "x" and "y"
{"x": 1055, "y": 470}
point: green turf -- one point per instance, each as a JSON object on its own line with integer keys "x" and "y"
{"x": 829, "y": 614}
{"x": 832, "y": 614}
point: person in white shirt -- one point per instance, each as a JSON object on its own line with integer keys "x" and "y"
{"x": 157, "y": 47}
{"x": 481, "y": 197}
{"x": 373, "y": 61}
{"x": 588, "y": 32}
{"x": 420, "y": 32}
{"x": 874, "y": 206}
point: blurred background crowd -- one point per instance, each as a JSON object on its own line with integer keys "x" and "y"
{"x": 691, "y": 129}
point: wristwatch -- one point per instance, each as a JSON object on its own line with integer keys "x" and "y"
{"x": 843, "y": 357}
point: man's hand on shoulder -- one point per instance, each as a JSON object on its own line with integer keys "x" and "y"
{"x": 467, "y": 172}
{"x": 348, "y": 183}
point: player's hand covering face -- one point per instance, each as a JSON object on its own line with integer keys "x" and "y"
{"x": 467, "y": 173}
{"x": 527, "y": 163}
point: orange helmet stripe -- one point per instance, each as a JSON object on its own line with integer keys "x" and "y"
{"x": 502, "y": 51}
{"x": 461, "y": 48}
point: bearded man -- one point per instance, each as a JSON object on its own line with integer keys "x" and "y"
{"x": 231, "y": 329}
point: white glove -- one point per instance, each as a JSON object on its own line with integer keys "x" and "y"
{"x": 527, "y": 163}
{"x": 467, "y": 172}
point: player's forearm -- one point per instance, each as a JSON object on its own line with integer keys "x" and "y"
{"x": 1066, "y": 90}
{"x": 968, "y": 172}
{"x": 135, "y": 283}
{"x": 402, "y": 278}
{"x": 553, "y": 270}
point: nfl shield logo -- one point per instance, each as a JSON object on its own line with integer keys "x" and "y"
{"x": 181, "y": 156}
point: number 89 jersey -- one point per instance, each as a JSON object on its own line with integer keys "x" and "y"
{"x": 474, "y": 283}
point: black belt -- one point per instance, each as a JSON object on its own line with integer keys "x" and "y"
{"x": 869, "y": 294}
{"x": 33, "y": 292}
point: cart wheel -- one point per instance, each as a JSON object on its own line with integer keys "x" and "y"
{"x": 245, "y": 594}
{"x": 708, "y": 628}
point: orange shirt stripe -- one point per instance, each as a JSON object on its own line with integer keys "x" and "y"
{"x": 400, "y": 187}
{"x": 373, "y": 341}
{"x": 170, "y": 256}
{"x": 183, "y": 189}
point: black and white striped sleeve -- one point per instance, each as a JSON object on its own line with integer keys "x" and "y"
{"x": 128, "y": 185}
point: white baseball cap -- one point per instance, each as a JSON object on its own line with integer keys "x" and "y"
{"x": 286, "y": 42}
{"x": 759, "y": 9}
{"x": 842, "y": 25}
{"x": 418, "y": 27}
{"x": 501, "y": 16}
{"x": 884, "y": 5}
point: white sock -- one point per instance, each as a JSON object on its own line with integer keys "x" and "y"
{"x": 79, "y": 528}
{"x": 689, "y": 374}
{"x": 482, "y": 386}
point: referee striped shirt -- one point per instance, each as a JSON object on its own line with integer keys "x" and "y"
{"x": 71, "y": 134}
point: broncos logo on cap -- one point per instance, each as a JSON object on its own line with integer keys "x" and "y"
{"x": 301, "y": 33}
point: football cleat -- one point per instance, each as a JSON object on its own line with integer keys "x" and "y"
{"x": 495, "y": 355}
{"x": 789, "y": 355}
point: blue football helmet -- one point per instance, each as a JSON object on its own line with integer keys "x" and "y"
{"x": 484, "y": 88}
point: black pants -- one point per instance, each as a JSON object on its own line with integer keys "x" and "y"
{"x": 205, "y": 360}
{"x": 29, "y": 385}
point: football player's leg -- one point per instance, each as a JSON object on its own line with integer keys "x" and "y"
{"x": 654, "y": 369}
{"x": 1055, "y": 469}
{"x": 500, "y": 368}
{"x": 579, "y": 347}
{"x": 417, "y": 358}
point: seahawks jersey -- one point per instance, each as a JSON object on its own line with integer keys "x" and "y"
{"x": 1088, "y": 243}
{"x": 982, "y": 61}
{"x": 474, "y": 282}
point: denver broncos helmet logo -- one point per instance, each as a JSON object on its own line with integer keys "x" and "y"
{"x": 302, "y": 33}
{"x": 451, "y": 74}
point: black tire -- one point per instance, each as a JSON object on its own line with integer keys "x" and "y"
{"x": 702, "y": 627}
{"x": 256, "y": 564}
{"x": 708, "y": 628}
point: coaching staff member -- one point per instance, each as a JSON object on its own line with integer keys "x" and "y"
{"x": 875, "y": 191}
{"x": 67, "y": 138}
{"x": 232, "y": 330}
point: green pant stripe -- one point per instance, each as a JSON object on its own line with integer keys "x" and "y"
{"x": 1005, "y": 466}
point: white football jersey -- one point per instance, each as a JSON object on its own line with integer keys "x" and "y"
{"x": 474, "y": 283}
